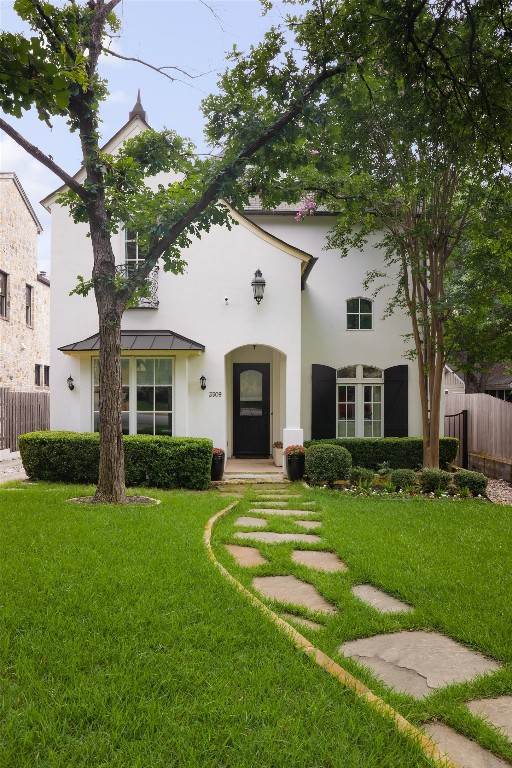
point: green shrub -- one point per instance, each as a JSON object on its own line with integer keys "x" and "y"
{"x": 403, "y": 478}
{"x": 400, "y": 452}
{"x": 158, "y": 461}
{"x": 361, "y": 475}
{"x": 434, "y": 479}
{"x": 327, "y": 463}
{"x": 474, "y": 481}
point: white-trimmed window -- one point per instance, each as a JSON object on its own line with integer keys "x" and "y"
{"x": 147, "y": 384}
{"x": 359, "y": 314}
{"x": 360, "y": 390}
{"x": 133, "y": 255}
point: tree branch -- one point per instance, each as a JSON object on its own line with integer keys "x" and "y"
{"x": 44, "y": 159}
{"x": 160, "y": 70}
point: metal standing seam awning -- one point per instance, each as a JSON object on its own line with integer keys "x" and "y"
{"x": 142, "y": 341}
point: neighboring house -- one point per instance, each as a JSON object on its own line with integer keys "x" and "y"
{"x": 24, "y": 294}
{"x": 313, "y": 358}
{"x": 453, "y": 383}
{"x": 499, "y": 382}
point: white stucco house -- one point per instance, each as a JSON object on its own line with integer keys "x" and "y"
{"x": 313, "y": 358}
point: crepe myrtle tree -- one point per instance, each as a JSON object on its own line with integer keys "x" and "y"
{"x": 55, "y": 71}
{"x": 407, "y": 152}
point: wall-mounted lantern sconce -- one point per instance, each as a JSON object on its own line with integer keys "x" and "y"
{"x": 71, "y": 383}
{"x": 203, "y": 382}
{"x": 258, "y": 286}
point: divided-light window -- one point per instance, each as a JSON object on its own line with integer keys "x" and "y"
{"x": 147, "y": 385}
{"x": 360, "y": 404}
{"x": 3, "y": 295}
{"x": 359, "y": 314}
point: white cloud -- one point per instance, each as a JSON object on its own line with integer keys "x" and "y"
{"x": 116, "y": 97}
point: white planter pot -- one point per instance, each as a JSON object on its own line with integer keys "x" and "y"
{"x": 277, "y": 455}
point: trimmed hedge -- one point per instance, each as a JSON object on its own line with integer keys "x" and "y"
{"x": 400, "y": 452}
{"x": 360, "y": 475}
{"x": 327, "y": 463}
{"x": 434, "y": 479}
{"x": 403, "y": 478}
{"x": 152, "y": 460}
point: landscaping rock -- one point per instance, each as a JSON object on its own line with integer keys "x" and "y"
{"x": 310, "y": 524}
{"x": 287, "y": 512}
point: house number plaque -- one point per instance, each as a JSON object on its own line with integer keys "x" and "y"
{"x": 215, "y": 394}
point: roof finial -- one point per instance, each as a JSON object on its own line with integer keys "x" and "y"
{"x": 138, "y": 110}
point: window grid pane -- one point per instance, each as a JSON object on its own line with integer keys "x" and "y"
{"x": 359, "y": 314}
{"x": 3, "y": 294}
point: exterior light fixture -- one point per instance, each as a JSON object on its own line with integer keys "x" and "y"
{"x": 203, "y": 382}
{"x": 71, "y": 383}
{"x": 258, "y": 286}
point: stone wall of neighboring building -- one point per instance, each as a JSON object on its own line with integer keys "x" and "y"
{"x": 24, "y": 334}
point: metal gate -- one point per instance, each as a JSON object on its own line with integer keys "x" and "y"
{"x": 456, "y": 425}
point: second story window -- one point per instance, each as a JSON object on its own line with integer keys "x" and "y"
{"x": 3, "y": 294}
{"x": 359, "y": 315}
{"x": 28, "y": 304}
{"x": 133, "y": 256}
{"x": 37, "y": 375}
{"x": 47, "y": 375}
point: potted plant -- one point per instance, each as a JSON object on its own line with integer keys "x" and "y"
{"x": 277, "y": 453}
{"x": 295, "y": 457}
{"x": 217, "y": 464}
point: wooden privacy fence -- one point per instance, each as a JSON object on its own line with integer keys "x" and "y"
{"x": 489, "y": 423}
{"x": 22, "y": 412}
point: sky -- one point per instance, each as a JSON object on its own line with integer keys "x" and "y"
{"x": 182, "y": 33}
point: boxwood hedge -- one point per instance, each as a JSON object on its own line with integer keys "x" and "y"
{"x": 400, "y": 452}
{"x": 157, "y": 461}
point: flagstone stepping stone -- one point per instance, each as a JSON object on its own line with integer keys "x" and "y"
{"x": 301, "y": 620}
{"x": 321, "y": 561}
{"x": 288, "y": 589}
{"x": 308, "y": 503}
{"x": 274, "y": 501}
{"x": 254, "y": 522}
{"x": 246, "y": 556}
{"x": 497, "y": 710}
{"x": 311, "y": 524}
{"x": 287, "y": 512}
{"x": 380, "y": 600}
{"x": 464, "y": 752}
{"x": 272, "y": 497}
{"x": 278, "y": 538}
{"x": 418, "y": 662}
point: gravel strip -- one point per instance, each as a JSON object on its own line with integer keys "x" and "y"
{"x": 499, "y": 492}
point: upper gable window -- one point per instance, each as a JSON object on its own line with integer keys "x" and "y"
{"x": 359, "y": 314}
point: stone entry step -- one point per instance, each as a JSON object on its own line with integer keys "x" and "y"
{"x": 253, "y": 522}
{"x": 320, "y": 561}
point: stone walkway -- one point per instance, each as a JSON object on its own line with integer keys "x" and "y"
{"x": 412, "y": 662}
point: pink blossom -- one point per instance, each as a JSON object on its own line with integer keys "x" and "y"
{"x": 314, "y": 152}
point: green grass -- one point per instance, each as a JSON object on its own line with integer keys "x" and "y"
{"x": 122, "y": 646}
{"x": 450, "y": 559}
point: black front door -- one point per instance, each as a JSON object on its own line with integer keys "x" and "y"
{"x": 251, "y": 409}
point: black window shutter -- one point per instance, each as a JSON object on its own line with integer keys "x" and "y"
{"x": 396, "y": 401}
{"x": 323, "y": 404}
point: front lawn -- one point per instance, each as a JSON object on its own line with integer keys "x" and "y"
{"x": 123, "y": 647}
{"x": 448, "y": 558}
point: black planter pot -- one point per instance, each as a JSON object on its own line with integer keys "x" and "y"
{"x": 217, "y": 467}
{"x": 295, "y": 466}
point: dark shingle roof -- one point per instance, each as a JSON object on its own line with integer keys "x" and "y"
{"x": 140, "y": 340}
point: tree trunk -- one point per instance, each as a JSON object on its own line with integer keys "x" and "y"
{"x": 111, "y": 479}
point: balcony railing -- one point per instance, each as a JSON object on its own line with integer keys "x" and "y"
{"x": 144, "y": 302}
